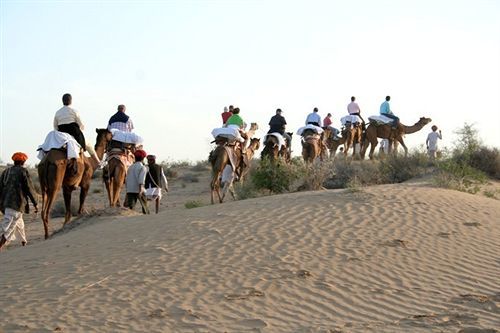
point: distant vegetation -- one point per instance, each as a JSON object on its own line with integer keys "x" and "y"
{"x": 466, "y": 168}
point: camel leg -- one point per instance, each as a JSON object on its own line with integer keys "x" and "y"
{"x": 400, "y": 140}
{"x": 373, "y": 145}
{"x": 157, "y": 205}
{"x": 84, "y": 190}
{"x": 108, "y": 190}
{"x": 67, "y": 203}
{"x": 118, "y": 181}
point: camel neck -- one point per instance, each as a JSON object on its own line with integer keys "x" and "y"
{"x": 412, "y": 129}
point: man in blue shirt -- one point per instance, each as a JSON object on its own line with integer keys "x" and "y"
{"x": 385, "y": 110}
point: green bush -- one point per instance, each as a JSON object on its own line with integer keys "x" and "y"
{"x": 275, "y": 177}
{"x": 200, "y": 166}
{"x": 398, "y": 168}
{"x": 193, "y": 204}
{"x": 458, "y": 175}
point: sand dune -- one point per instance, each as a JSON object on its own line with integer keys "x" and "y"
{"x": 391, "y": 258}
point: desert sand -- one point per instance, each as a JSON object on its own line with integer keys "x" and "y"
{"x": 392, "y": 258}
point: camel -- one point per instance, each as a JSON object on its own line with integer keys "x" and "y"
{"x": 219, "y": 158}
{"x": 55, "y": 171}
{"x": 313, "y": 146}
{"x": 273, "y": 153}
{"x": 385, "y": 131}
{"x": 115, "y": 172}
{"x": 352, "y": 135}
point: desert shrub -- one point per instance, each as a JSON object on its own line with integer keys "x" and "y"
{"x": 486, "y": 160}
{"x": 170, "y": 173}
{"x": 193, "y": 204}
{"x": 190, "y": 178}
{"x": 200, "y": 166}
{"x": 397, "y": 168}
{"x": 58, "y": 209}
{"x": 97, "y": 190}
{"x": 351, "y": 175}
{"x": 278, "y": 177}
{"x": 247, "y": 190}
{"x": 458, "y": 175}
{"x": 315, "y": 175}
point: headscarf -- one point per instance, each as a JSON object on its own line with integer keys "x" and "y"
{"x": 19, "y": 157}
{"x": 140, "y": 154}
{"x": 151, "y": 157}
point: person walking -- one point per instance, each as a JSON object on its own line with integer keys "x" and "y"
{"x": 16, "y": 188}
{"x": 155, "y": 181}
{"x": 134, "y": 182}
{"x": 432, "y": 142}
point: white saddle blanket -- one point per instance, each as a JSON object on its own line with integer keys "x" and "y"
{"x": 56, "y": 140}
{"x": 352, "y": 118}
{"x": 316, "y": 129}
{"x": 380, "y": 119}
{"x": 229, "y": 133}
{"x": 279, "y": 137}
{"x": 126, "y": 137}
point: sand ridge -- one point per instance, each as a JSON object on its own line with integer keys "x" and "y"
{"x": 389, "y": 258}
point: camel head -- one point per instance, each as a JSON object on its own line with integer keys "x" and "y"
{"x": 102, "y": 139}
{"x": 253, "y": 127}
{"x": 254, "y": 144}
{"x": 424, "y": 121}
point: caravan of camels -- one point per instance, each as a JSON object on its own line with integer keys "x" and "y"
{"x": 64, "y": 165}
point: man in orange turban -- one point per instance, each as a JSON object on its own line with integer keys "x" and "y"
{"x": 15, "y": 189}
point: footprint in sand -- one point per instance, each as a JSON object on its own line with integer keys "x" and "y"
{"x": 253, "y": 323}
{"x": 477, "y": 330}
{"x": 472, "y": 224}
{"x": 396, "y": 243}
{"x": 249, "y": 292}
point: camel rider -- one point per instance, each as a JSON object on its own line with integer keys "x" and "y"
{"x": 314, "y": 118}
{"x": 68, "y": 120}
{"x": 120, "y": 120}
{"x": 353, "y": 108}
{"x": 277, "y": 124}
{"x": 237, "y": 122}
{"x": 385, "y": 110}
{"x": 327, "y": 123}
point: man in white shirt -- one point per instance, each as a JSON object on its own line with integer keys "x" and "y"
{"x": 68, "y": 120}
{"x": 314, "y": 118}
{"x": 134, "y": 182}
{"x": 432, "y": 142}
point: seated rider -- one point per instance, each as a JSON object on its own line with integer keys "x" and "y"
{"x": 353, "y": 108}
{"x": 68, "y": 120}
{"x": 327, "y": 122}
{"x": 385, "y": 110}
{"x": 120, "y": 120}
{"x": 277, "y": 124}
{"x": 237, "y": 122}
{"x": 314, "y": 118}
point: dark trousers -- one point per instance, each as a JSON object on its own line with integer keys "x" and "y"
{"x": 396, "y": 119}
{"x": 74, "y": 130}
{"x": 131, "y": 200}
{"x": 313, "y": 123}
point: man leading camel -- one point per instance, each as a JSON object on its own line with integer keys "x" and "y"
{"x": 15, "y": 189}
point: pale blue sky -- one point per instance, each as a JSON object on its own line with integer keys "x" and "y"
{"x": 176, "y": 64}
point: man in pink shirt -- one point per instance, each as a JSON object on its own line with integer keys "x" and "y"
{"x": 353, "y": 108}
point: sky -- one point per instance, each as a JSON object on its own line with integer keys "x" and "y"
{"x": 176, "y": 64}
